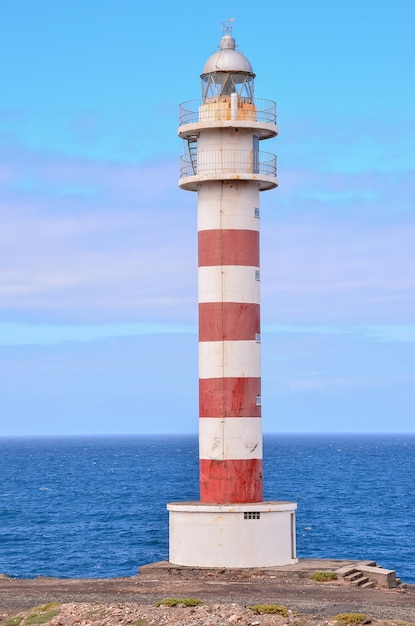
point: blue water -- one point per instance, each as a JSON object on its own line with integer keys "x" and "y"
{"x": 96, "y": 506}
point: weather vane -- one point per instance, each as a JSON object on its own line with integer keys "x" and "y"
{"x": 227, "y": 25}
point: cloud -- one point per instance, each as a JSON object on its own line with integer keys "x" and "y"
{"x": 337, "y": 235}
{"x": 350, "y": 381}
{"x": 375, "y": 332}
{"x": 123, "y": 385}
{"x": 392, "y": 332}
{"x": 88, "y": 240}
{"x": 123, "y": 134}
{"x": 333, "y": 270}
{"x": 122, "y": 252}
{"x": 343, "y": 382}
{"x": 349, "y": 145}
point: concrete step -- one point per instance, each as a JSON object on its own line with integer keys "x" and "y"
{"x": 369, "y": 585}
{"x": 357, "y": 579}
{"x": 351, "y": 568}
{"x": 358, "y": 582}
{"x": 360, "y": 572}
{"x": 346, "y": 571}
{"x": 400, "y": 584}
{"x": 385, "y": 578}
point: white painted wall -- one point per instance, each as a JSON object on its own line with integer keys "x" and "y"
{"x": 230, "y": 359}
{"x": 239, "y": 198}
{"x": 230, "y": 438}
{"x": 228, "y": 283}
{"x": 219, "y": 536}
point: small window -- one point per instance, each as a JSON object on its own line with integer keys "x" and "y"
{"x": 258, "y": 337}
{"x": 258, "y": 400}
{"x": 252, "y": 515}
{"x": 257, "y": 275}
{"x": 256, "y": 212}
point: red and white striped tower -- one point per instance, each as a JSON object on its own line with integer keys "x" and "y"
{"x": 231, "y": 525}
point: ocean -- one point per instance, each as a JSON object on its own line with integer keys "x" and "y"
{"x": 96, "y": 506}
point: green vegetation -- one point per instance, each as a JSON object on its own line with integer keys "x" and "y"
{"x": 41, "y": 608}
{"x": 350, "y": 618}
{"x": 270, "y": 609}
{"x": 14, "y": 621}
{"x": 179, "y": 602}
{"x": 323, "y": 577}
{"x": 41, "y": 618}
{"x": 43, "y": 613}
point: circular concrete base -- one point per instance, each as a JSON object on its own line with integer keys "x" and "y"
{"x": 260, "y": 534}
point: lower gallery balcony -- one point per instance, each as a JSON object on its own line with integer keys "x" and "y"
{"x": 228, "y": 164}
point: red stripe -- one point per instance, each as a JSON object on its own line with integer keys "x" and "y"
{"x": 229, "y": 397}
{"x": 224, "y": 482}
{"x": 228, "y": 321}
{"x": 228, "y": 247}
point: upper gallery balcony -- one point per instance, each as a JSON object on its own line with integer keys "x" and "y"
{"x": 228, "y": 111}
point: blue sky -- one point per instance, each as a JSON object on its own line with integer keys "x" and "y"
{"x": 98, "y": 245}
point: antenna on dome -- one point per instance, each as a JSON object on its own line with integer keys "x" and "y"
{"x": 227, "y": 25}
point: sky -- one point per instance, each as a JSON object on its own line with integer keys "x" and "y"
{"x": 98, "y": 259}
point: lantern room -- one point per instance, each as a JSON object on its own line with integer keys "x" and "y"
{"x": 226, "y": 72}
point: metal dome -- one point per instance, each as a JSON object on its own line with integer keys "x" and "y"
{"x": 227, "y": 59}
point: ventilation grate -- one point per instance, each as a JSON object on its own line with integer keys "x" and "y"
{"x": 252, "y": 515}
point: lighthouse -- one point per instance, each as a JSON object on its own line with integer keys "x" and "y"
{"x": 223, "y": 162}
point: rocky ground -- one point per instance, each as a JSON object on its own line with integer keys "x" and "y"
{"x": 131, "y": 601}
{"x": 109, "y": 614}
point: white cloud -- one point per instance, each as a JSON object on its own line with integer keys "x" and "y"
{"x": 328, "y": 270}
{"x": 93, "y": 241}
{"x": 122, "y": 254}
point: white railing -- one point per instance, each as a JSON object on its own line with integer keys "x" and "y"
{"x": 228, "y": 162}
{"x": 220, "y": 108}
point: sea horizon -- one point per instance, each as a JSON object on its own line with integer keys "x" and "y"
{"x": 78, "y": 506}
